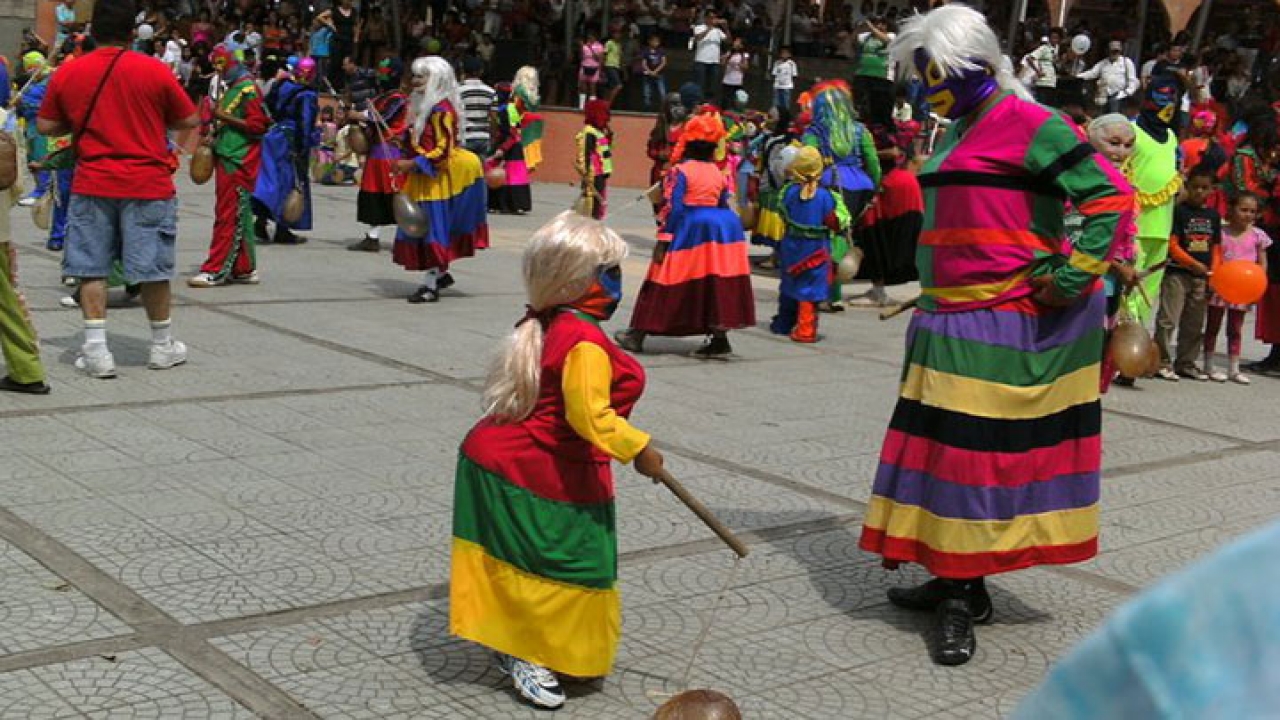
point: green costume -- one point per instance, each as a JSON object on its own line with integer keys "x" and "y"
{"x": 1153, "y": 170}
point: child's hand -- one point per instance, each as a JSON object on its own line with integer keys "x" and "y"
{"x": 1199, "y": 270}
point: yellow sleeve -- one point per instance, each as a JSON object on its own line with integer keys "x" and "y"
{"x": 588, "y": 375}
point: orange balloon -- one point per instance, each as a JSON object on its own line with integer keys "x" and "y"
{"x": 1239, "y": 282}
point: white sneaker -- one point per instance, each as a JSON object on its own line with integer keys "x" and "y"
{"x": 251, "y": 278}
{"x": 1218, "y": 376}
{"x": 96, "y": 363}
{"x": 166, "y": 356}
{"x": 69, "y": 302}
{"x": 28, "y": 201}
{"x": 204, "y": 280}
{"x": 535, "y": 683}
{"x": 1240, "y": 379}
{"x": 1167, "y": 373}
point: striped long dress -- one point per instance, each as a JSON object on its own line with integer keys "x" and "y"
{"x": 703, "y": 284}
{"x": 535, "y": 552}
{"x": 992, "y": 459}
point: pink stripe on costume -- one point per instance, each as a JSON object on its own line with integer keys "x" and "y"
{"x": 960, "y": 206}
{"x": 1000, "y": 153}
{"x": 992, "y": 468}
{"x": 963, "y": 266}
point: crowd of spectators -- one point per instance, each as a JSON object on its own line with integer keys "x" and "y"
{"x": 651, "y": 46}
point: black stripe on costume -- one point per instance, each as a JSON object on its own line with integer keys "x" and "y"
{"x": 1067, "y": 161}
{"x": 968, "y": 432}
{"x": 1023, "y": 183}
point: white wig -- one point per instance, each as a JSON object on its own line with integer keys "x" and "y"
{"x": 1102, "y": 122}
{"x": 434, "y": 81}
{"x": 958, "y": 38}
{"x": 527, "y": 80}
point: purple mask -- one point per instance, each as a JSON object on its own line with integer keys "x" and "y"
{"x": 954, "y": 96}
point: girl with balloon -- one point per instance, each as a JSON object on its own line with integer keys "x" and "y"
{"x": 1242, "y": 242}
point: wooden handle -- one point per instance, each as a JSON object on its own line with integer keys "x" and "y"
{"x": 703, "y": 513}
{"x": 897, "y": 310}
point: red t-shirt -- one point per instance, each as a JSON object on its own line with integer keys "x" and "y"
{"x": 124, "y": 152}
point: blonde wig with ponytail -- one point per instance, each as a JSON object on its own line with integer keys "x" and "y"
{"x": 561, "y": 263}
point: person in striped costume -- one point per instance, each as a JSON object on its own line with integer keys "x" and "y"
{"x": 992, "y": 459}
{"x": 535, "y": 551}
{"x": 446, "y": 181}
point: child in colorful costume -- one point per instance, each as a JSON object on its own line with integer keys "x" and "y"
{"x": 387, "y": 118}
{"x": 663, "y": 138}
{"x": 594, "y": 157}
{"x": 849, "y": 152}
{"x": 812, "y": 215}
{"x": 286, "y": 152}
{"x": 1153, "y": 170}
{"x": 527, "y": 102}
{"x": 241, "y": 123}
{"x": 514, "y": 197}
{"x": 992, "y": 459}
{"x": 534, "y": 572}
{"x": 773, "y": 159}
{"x": 699, "y": 282}
{"x": 446, "y": 181}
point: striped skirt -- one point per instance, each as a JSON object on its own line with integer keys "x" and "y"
{"x": 703, "y": 283}
{"x": 769, "y": 227}
{"x": 993, "y": 457}
{"x": 534, "y": 570}
{"x": 455, "y": 201}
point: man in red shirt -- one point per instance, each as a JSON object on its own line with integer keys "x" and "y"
{"x": 118, "y": 105}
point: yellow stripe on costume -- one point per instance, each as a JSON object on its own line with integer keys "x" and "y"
{"x": 973, "y": 293}
{"x": 1063, "y": 527}
{"x": 984, "y": 398}
{"x": 570, "y": 629}
{"x": 460, "y": 171}
{"x": 1088, "y": 263}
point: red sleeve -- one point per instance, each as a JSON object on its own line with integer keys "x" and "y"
{"x": 178, "y": 105}
{"x": 256, "y": 120}
{"x": 1178, "y": 255}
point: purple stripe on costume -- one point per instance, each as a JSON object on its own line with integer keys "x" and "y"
{"x": 986, "y": 502}
{"x": 1027, "y": 333}
{"x": 384, "y": 151}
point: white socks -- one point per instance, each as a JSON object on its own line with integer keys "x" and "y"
{"x": 1234, "y": 364}
{"x": 161, "y": 333}
{"x": 372, "y": 234}
{"x": 430, "y": 279}
{"x": 95, "y": 333}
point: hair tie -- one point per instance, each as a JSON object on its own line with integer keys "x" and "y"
{"x": 542, "y": 316}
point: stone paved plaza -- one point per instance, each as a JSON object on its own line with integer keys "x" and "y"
{"x": 264, "y": 532}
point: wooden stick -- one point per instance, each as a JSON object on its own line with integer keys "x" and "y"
{"x": 703, "y": 513}
{"x": 898, "y": 309}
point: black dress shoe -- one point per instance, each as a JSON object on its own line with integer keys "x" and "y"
{"x": 423, "y": 294}
{"x": 444, "y": 282}
{"x": 929, "y": 596}
{"x": 8, "y": 384}
{"x": 366, "y": 245}
{"x": 951, "y": 640}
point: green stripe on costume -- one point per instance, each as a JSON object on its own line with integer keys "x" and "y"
{"x": 1009, "y": 366}
{"x": 560, "y": 541}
